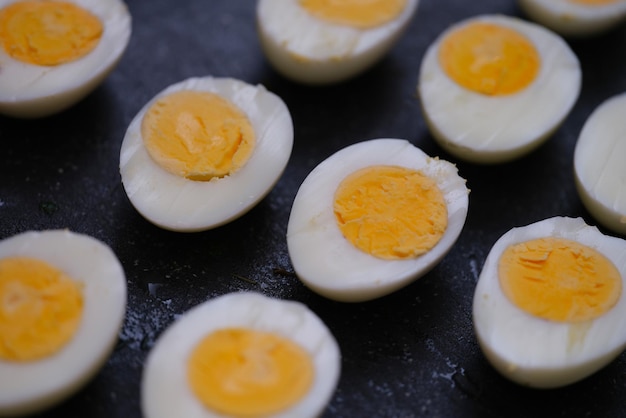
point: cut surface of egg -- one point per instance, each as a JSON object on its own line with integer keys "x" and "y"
{"x": 549, "y": 307}
{"x": 576, "y": 18}
{"x": 494, "y": 87}
{"x": 204, "y": 151}
{"x": 599, "y": 168}
{"x": 53, "y": 53}
{"x": 326, "y": 41}
{"x": 372, "y": 218}
{"x": 62, "y": 304}
{"x": 242, "y": 355}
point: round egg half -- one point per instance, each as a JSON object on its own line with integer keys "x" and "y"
{"x": 62, "y": 304}
{"x": 374, "y": 217}
{"x": 325, "y": 41}
{"x": 54, "y": 53}
{"x": 242, "y": 355}
{"x": 205, "y": 151}
{"x": 549, "y": 308}
{"x": 599, "y": 167}
{"x": 576, "y": 18}
{"x": 494, "y": 87}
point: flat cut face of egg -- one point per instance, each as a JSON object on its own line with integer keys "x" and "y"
{"x": 493, "y": 87}
{"x": 242, "y": 355}
{"x": 62, "y": 304}
{"x": 549, "y": 307}
{"x": 324, "y": 41}
{"x": 372, "y": 218}
{"x": 599, "y": 167}
{"x": 576, "y": 18}
{"x": 54, "y": 53}
{"x": 204, "y": 151}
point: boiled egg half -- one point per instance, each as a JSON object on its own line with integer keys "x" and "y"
{"x": 374, "y": 217}
{"x": 204, "y": 151}
{"x": 495, "y": 87}
{"x": 55, "y": 52}
{"x": 62, "y": 304}
{"x": 242, "y": 355}
{"x": 549, "y": 307}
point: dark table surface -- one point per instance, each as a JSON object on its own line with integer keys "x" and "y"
{"x": 409, "y": 354}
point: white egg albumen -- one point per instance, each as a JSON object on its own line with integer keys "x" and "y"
{"x": 328, "y": 263}
{"x": 33, "y": 386}
{"x": 495, "y": 129}
{"x": 165, "y": 391}
{"x": 599, "y": 168}
{"x": 533, "y": 351}
{"x": 313, "y": 51}
{"x": 179, "y": 204}
{"x": 32, "y": 91}
{"x": 575, "y": 19}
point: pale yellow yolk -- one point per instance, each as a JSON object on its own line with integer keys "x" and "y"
{"x": 391, "y": 212}
{"x": 594, "y": 2}
{"x": 246, "y": 373}
{"x": 362, "y": 14}
{"x": 197, "y": 135}
{"x": 48, "y": 32}
{"x": 559, "y": 279}
{"x": 40, "y": 309}
{"x": 489, "y": 59}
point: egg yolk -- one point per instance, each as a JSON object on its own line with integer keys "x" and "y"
{"x": 594, "y": 2}
{"x": 489, "y": 59}
{"x": 48, "y": 32}
{"x": 559, "y": 279}
{"x": 362, "y": 14}
{"x": 391, "y": 212}
{"x": 197, "y": 135}
{"x": 246, "y": 373}
{"x": 40, "y": 309}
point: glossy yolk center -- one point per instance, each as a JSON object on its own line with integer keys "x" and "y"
{"x": 362, "y": 14}
{"x": 246, "y": 373}
{"x": 594, "y": 2}
{"x": 197, "y": 135}
{"x": 48, "y": 32}
{"x": 489, "y": 59}
{"x": 559, "y": 280}
{"x": 40, "y": 309}
{"x": 391, "y": 212}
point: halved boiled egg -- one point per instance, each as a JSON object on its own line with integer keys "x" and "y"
{"x": 599, "y": 167}
{"x": 242, "y": 355}
{"x": 327, "y": 41}
{"x": 494, "y": 87}
{"x": 62, "y": 304}
{"x": 549, "y": 308}
{"x": 372, "y": 218}
{"x": 55, "y": 52}
{"x": 576, "y": 17}
{"x": 204, "y": 151}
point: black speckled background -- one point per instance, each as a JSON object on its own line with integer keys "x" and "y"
{"x": 409, "y": 354}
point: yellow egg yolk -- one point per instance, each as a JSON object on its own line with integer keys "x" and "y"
{"x": 559, "y": 279}
{"x": 362, "y": 14}
{"x": 391, "y": 212}
{"x": 489, "y": 59}
{"x": 197, "y": 135}
{"x": 48, "y": 32}
{"x": 40, "y": 309}
{"x": 246, "y": 373}
{"x": 594, "y": 2}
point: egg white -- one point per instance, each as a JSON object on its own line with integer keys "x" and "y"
{"x": 599, "y": 168}
{"x": 313, "y": 51}
{"x": 179, "y": 204}
{"x": 165, "y": 391}
{"x": 540, "y": 353}
{"x": 31, "y": 91}
{"x": 495, "y": 129}
{"x": 328, "y": 263}
{"x": 33, "y": 386}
